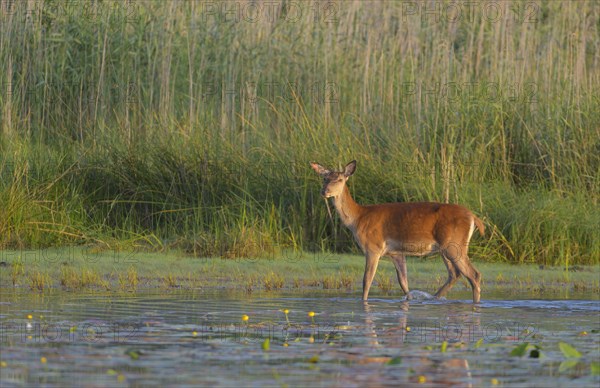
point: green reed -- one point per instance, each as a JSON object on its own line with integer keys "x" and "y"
{"x": 189, "y": 125}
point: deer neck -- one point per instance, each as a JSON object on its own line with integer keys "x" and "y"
{"x": 347, "y": 208}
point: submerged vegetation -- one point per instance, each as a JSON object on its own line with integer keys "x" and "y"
{"x": 156, "y": 126}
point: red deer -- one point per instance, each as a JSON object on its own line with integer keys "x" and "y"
{"x": 405, "y": 229}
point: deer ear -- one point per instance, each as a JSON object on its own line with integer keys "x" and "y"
{"x": 350, "y": 168}
{"x": 319, "y": 169}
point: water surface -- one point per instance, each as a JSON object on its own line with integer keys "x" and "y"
{"x": 199, "y": 338}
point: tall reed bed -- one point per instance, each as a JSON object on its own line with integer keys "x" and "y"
{"x": 190, "y": 124}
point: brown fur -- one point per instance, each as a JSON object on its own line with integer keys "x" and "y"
{"x": 405, "y": 229}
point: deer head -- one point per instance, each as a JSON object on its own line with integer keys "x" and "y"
{"x": 334, "y": 181}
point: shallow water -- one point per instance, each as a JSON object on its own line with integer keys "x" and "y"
{"x": 199, "y": 338}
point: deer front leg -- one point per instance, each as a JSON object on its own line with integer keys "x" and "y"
{"x": 400, "y": 264}
{"x": 371, "y": 261}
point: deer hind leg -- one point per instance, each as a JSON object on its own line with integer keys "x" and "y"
{"x": 400, "y": 264}
{"x": 466, "y": 268}
{"x": 453, "y": 275}
{"x": 371, "y": 261}
{"x": 460, "y": 260}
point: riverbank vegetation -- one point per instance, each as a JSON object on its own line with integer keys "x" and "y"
{"x": 188, "y": 126}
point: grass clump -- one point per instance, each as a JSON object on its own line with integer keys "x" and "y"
{"x": 170, "y": 281}
{"x": 331, "y": 282}
{"x": 87, "y": 278}
{"x": 347, "y": 279}
{"x": 69, "y": 278}
{"x": 16, "y": 271}
{"x": 385, "y": 283}
{"x": 38, "y": 281}
{"x": 128, "y": 281}
{"x": 273, "y": 281}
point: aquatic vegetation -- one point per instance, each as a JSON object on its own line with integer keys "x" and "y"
{"x": 266, "y": 345}
{"x": 273, "y": 281}
{"x": 335, "y": 338}
{"x": 444, "y": 347}
{"x": 69, "y": 278}
{"x": 17, "y": 270}
{"x": 385, "y": 283}
{"x": 193, "y": 281}
{"x": 336, "y": 281}
{"x": 521, "y": 350}
{"x": 128, "y": 281}
{"x": 571, "y": 354}
{"x": 132, "y": 278}
{"x": 122, "y": 281}
{"x": 134, "y": 354}
{"x": 347, "y": 279}
{"x": 329, "y": 282}
{"x": 395, "y": 361}
{"x": 568, "y": 350}
{"x": 249, "y": 285}
{"x": 89, "y": 278}
{"x": 38, "y": 281}
{"x": 163, "y": 270}
{"x": 311, "y": 315}
{"x": 170, "y": 280}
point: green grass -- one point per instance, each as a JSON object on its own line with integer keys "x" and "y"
{"x": 75, "y": 270}
{"x": 161, "y": 126}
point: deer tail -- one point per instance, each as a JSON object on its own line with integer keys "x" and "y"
{"x": 479, "y": 225}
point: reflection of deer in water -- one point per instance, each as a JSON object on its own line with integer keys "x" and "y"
{"x": 405, "y": 229}
{"x": 395, "y": 335}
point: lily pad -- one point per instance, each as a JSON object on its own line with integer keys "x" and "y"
{"x": 568, "y": 350}
{"x": 520, "y": 350}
